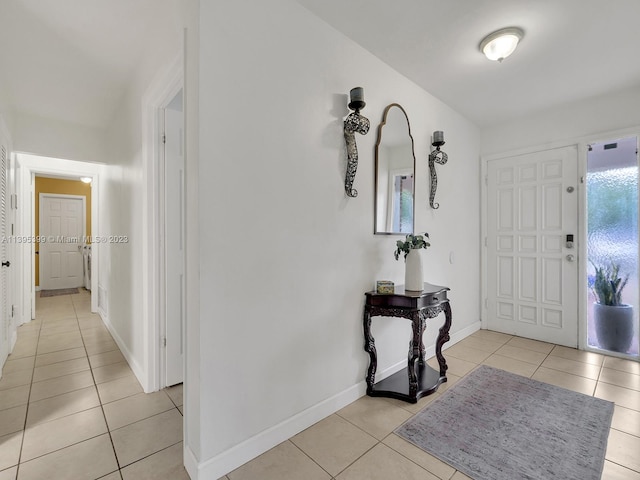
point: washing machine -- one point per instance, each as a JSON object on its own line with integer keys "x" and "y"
{"x": 86, "y": 262}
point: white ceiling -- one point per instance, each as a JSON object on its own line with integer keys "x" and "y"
{"x": 572, "y": 49}
{"x": 72, "y": 60}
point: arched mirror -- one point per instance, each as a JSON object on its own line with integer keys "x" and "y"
{"x": 395, "y": 171}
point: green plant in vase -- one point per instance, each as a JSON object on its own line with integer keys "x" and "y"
{"x": 608, "y": 284}
{"x": 413, "y": 278}
{"x": 410, "y": 243}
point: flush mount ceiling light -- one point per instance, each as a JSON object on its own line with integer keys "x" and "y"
{"x": 85, "y": 179}
{"x": 501, "y": 43}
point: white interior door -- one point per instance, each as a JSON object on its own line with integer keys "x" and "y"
{"x": 174, "y": 241}
{"x": 532, "y": 273}
{"x": 62, "y": 230}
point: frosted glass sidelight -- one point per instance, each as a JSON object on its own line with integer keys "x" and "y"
{"x": 612, "y": 226}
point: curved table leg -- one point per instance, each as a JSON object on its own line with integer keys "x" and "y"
{"x": 423, "y": 326}
{"x": 415, "y": 352}
{"x": 370, "y": 348}
{"x": 443, "y": 337}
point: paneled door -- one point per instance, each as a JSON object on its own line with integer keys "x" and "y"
{"x": 532, "y": 270}
{"x": 62, "y": 228}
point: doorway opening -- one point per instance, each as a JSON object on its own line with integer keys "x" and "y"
{"x": 173, "y": 232}
{"x": 163, "y": 224}
{"x": 612, "y": 246}
{"x": 28, "y": 168}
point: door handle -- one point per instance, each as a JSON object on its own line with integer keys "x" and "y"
{"x": 6, "y": 264}
{"x": 570, "y": 258}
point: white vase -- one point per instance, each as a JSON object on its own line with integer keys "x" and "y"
{"x": 413, "y": 279}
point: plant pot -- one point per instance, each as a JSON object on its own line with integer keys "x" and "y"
{"x": 413, "y": 279}
{"x": 614, "y": 326}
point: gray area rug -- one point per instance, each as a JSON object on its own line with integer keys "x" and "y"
{"x": 55, "y": 293}
{"x": 494, "y": 425}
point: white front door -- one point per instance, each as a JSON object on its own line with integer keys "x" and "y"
{"x": 62, "y": 230}
{"x": 532, "y": 274}
{"x": 174, "y": 242}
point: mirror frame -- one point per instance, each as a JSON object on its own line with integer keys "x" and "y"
{"x": 375, "y": 187}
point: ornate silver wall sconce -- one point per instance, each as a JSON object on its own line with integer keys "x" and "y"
{"x": 436, "y": 156}
{"x": 352, "y": 124}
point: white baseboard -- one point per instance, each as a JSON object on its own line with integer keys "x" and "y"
{"x": 190, "y": 462}
{"x": 218, "y": 466}
{"x": 135, "y": 367}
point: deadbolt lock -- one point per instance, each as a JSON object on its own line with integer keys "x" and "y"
{"x": 569, "y": 242}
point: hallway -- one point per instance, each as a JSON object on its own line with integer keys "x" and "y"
{"x": 71, "y": 408}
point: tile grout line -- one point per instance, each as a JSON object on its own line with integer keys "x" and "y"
{"x": 26, "y": 415}
{"x": 109, "y": 430}
{"x": 455, "y": 470}
{"x": 95, "y": 385}
{"x": 378, "y": 442}
{"x": 146, "y": 456}
{"x": 622, "y": 466}
{"x": 540, "y": 365}
{"x": 598, "y": 383}
{"x": 66, "y": 446}
{"x": 290, "y": 440}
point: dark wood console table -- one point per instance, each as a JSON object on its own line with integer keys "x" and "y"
{"x": 419, "y": 380}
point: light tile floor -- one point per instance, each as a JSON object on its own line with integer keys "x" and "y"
{"x": 71, "y": 408}
{"x": 69, "y": 404}
{"x": 358, "y": 443}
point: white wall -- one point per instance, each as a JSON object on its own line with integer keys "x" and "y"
{"x": 285, "y": 257}
{"x": 615, "y": 111}
{"x": 121, "y": 283}
{"x": 193, "y": 365}
{"x": 58, "y": 139}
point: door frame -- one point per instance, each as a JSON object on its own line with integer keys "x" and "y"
{"x": 58, "y": 195}
{"x": 29, "y": 166}
{"x": 582, "y": 143}
{"x": 157, "y": 97}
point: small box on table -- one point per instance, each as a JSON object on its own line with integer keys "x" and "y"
{"x": 385, "y": 286}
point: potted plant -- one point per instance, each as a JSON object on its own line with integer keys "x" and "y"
{"x": 613, "y": 319}
{"x": 413, "y": 278}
